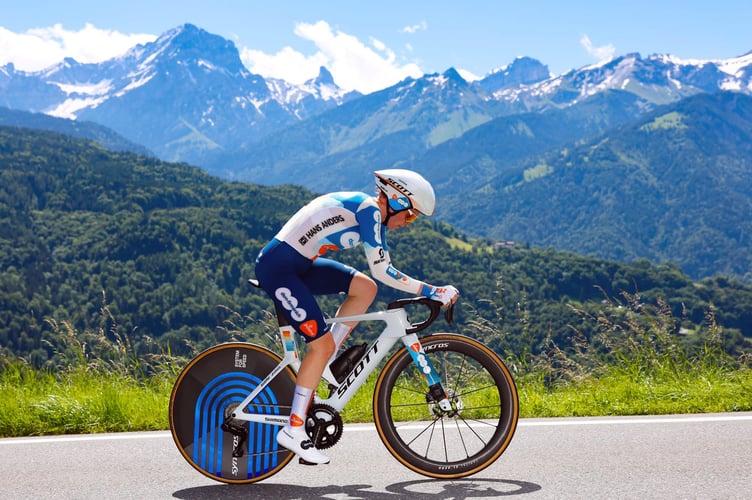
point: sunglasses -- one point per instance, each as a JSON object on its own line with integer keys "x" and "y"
{"x": 411, "y": 216}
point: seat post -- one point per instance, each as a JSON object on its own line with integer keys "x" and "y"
{"x": 281, "y": 319}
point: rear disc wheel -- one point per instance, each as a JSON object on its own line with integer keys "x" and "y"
{"x": 207, "y": 392}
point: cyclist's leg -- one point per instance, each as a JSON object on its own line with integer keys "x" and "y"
{"x": 280, "y": 270}
{"x": 326, "y": 277}
{"x": 330, "y": 277}
{"x": 360, "y": 296}
{"x": 292, "y": 281}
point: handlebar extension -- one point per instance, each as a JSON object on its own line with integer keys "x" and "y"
{"x": 434, "y": 305}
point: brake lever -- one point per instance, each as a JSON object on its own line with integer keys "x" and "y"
{"x": 449, "y": 314}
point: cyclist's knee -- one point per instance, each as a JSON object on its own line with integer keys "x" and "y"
{"x": 363, "y": 287}
{"x": 321, "y": 347}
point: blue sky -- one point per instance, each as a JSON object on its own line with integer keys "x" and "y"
{"x": 371, "y": 45}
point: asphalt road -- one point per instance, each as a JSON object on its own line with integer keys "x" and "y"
{"x": 688, "y": 456}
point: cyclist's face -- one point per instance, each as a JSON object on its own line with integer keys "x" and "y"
{"x": 412, "y": 216}
{"x": 402, "y": 218}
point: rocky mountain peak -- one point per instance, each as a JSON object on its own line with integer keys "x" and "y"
{"x": 522, "y": 71}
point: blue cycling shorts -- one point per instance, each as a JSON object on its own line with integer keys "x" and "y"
{"x": 292, "y": 280}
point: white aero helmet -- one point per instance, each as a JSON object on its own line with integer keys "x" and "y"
{"x": 405, "y": 189}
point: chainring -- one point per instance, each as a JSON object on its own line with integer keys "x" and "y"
{"x": 324, "y": 425}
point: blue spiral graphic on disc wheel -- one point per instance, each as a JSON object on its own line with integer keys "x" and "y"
{"x": 211, "y": 443}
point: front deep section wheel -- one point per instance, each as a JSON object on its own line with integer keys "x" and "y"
{"x": 204, "y": 397}
{"x": 443, "y": 443}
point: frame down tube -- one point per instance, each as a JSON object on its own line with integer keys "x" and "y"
{"x": 396, "y": 325}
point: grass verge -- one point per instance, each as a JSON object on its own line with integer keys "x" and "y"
{"x": 35, "y": 403}
{"x": 635, "y": 365}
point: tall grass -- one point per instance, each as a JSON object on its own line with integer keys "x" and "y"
{"x": 634, "y": 364}
{"x": 95, "y": 381}
{"x": 98, "y": 381}
{"x": 79, "y": 400}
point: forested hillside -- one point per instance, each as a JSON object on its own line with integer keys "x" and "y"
{"x": 77, "y": 128}
{"x": 158, "y": 254}
{"x": 675, "y": 185}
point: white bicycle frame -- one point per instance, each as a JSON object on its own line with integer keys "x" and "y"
{"x": 396, "y": 328}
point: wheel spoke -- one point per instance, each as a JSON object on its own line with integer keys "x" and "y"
{"x": 421, "y": 434}
{"x": 459, "y": 432}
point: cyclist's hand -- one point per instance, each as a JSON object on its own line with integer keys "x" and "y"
{"x": 447, "y": 295}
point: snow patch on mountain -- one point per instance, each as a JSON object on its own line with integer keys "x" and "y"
{"x": 135, "y": 81}
{"x": 97, "y": 89}
{"x": 69, "y": 107}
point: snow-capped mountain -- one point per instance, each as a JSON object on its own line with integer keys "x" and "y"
{"x": 180, "y": 95}
{"x": 522, "y": 71}
{"x": 187, "y": 96}
{"x": 658, "y": 79}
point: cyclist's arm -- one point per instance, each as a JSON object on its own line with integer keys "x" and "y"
{"x": 382, "y": 269}
{"x": 373, "y": 235}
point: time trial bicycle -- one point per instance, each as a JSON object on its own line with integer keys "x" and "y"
{"x": 444, "y": 405}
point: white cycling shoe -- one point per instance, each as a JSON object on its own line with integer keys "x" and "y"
{"x": 297, "y": 441}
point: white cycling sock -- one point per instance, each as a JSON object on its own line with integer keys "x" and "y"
{"x": 300, "y": 400}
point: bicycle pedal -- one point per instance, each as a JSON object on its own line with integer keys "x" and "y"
{"x": 305, "y": 462}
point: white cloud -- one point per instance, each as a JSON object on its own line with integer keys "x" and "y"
{"x": 421, "y": 26}
{"x": 353, "y": 64}
{"x": 287, "y": 64}
{"x": 602, "y": 53}
{"x": 40, "y": 48}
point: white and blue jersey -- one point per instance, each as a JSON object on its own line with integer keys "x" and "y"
{"x": 291, "y": 268}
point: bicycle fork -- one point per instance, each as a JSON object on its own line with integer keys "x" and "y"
{"x": 435, "y": 388}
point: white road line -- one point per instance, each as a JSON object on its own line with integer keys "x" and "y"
{"x": 635, "y": 420}
{"x": 86, "y": 437}
{"x": 562, "y": 421}
{"x": 551, "y": 422}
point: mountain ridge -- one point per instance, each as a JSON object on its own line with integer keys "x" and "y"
{"x": 188, "y": 98}
{"x": 659, "y": 188}
{"x": 225, "y": 106}
{"x": 156, "y": 255}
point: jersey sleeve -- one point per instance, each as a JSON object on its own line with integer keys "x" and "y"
{"x": 377, "y": 254}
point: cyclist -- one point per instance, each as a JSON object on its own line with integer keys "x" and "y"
{"x": 292, "y": 269}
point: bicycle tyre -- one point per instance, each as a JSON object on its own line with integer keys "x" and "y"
{"x": 216, "y": 378}
{"x": 439, "y": 445}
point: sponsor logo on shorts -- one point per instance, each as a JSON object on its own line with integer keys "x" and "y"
{"x": 289, "y": 302}
{"x": 310, "y": 328}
